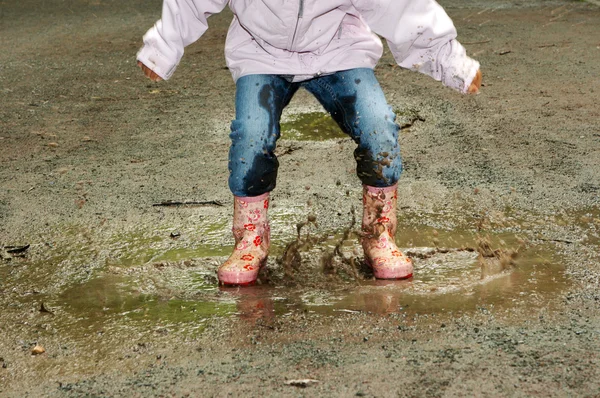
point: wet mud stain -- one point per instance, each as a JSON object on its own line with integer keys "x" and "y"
{"x": 311, "y": 126}
{"x": 406, "y": 118}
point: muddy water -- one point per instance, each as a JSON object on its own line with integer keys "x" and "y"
{"x": 448, "y": 277}
{"x": 319, "y": 126}
{"x": 456, "y": 282}
{"x": 155, "y": 283}
{"x": 310, "y": 126}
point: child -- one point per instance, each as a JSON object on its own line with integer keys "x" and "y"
{"x": 328, "y": 47}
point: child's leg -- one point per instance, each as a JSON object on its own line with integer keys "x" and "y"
{"x": 260, "y": 99}
{"x": 357, "y": 103}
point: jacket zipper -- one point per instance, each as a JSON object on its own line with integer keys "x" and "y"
{"x": 300, "y": 14}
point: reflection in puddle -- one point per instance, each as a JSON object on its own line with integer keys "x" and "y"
{"x": 253, "y": 302}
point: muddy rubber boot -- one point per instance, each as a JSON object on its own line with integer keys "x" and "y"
{"x": 379, "y": 228}
{"x": 252, "y": 234}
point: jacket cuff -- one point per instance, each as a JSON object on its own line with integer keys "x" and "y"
{"x": 151, "y": 56}
{"x": 458, "y": 69}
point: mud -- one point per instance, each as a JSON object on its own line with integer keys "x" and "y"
{"x": 498, "y": 206}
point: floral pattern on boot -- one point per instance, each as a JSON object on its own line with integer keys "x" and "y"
{"x": 252, "y": 235}
{"x": 379, "y": 228}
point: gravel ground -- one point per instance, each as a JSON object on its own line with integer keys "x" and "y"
{"x": 122, "y": 295}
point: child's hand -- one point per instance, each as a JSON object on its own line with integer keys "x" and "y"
{"x": 150, "y": 73}
{"x": 475, "y": 84}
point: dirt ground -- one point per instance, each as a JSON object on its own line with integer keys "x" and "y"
{"x": 122, "y": 295}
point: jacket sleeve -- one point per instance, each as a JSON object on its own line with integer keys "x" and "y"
{"x": 182, "y": 23}
{"x": 422, "y": 37}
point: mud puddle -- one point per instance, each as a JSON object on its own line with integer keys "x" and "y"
{"x": 155, "y": 283}
{"x": 448, "y": 277}
{"x": 310, "y": 126}
{"x": 319, "y": 126}
{"x": 452, "y": 282}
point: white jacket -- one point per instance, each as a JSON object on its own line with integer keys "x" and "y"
{"x": 307, "y": 38}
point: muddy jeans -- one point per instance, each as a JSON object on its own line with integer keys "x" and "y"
{"x": 352, "y": 97}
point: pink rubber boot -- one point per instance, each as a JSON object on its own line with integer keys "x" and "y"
{"x": 252, "y": 235}
{"x": 379, "y": 228}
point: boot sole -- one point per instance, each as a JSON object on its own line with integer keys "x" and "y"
{"x": 399, "y": 278}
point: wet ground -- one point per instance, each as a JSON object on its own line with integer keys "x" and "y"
{"x": 114, "y": 214}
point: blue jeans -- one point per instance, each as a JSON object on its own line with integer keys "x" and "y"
{"x": 353, "y": 98}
